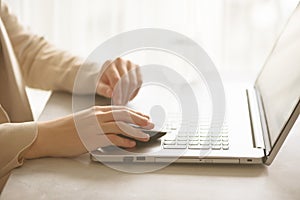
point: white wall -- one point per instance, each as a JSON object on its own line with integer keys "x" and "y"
{"x": 238, "y": 34}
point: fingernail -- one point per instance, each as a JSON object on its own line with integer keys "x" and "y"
{"x": 132, "y": 143}
{"x": 108, "y": 92}
{"x": 145, "y": 115}
{"x": 150, "y": 125}
{"x": 145, "y": 120}
{"x": 145, "y": 136}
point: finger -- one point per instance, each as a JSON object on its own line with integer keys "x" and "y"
{"x": 133, "y": 84}
{"x": 134, "y": 94}
{"x": 114, "y": 78}
{"x": 124, "y": 129}
{"x": 117, "y": 86}
{"x": 125, "y": 79}
{"x": 104, "y": 71}
{"x": 112, "y": 75}
{"x": 126, "y": 116}
{"x": 121, "y": 142}
{"x": 110, "y": 108}
{"x": 139, "y": 82}
{"x": 104, "y": 90}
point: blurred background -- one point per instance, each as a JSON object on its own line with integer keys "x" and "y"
{"x": 238, "y": 35}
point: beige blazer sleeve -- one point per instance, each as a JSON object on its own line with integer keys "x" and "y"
{"x": 43, "y": 66}
{"x": 15, "y": 138}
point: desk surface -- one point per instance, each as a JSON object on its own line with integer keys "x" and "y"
{"x": 80, "y": 178}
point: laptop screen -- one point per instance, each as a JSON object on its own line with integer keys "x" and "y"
{"x": 279, "y": 81}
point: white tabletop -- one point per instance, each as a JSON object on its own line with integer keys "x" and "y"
{"x": 80, "y": 178}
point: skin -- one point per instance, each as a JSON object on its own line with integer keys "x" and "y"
{"x": 120, "y": 80}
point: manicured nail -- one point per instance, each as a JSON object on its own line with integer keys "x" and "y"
{"x": 145, "y": 136}
{"x": 109, "y": 92}
{"x": 145, "y": 120}
{"x": 132, "y": 143}
{"x": 150, "y": 125}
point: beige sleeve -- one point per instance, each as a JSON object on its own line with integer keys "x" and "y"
{"x": 15, "y": 138}
{"x": 43, "y": 66}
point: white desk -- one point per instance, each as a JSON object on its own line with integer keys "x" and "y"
{"x": 79, "y": 178}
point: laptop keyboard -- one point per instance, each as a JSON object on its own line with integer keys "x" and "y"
{"x": 180, "y": 136}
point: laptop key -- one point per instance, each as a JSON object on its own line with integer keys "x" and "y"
{"x": 204, "y": 139}
{"x": 216, "y": 147}
{"x": 193, "y": 142}
{"x": 182, "y": 138}
{"x": 225, "y": 140}
{"x": 181, "y": 142}
{"x": 225, "y": 147}
{"x": 199, "y": 147}
{"x": 175, "y": 146}
{"x": 170, "y": 142}
{"x": 205, "y": 143}
{"x": 216, "y": 140}
{"x": 170, "y": 138}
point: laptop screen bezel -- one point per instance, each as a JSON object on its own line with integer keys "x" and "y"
{"x": 272, "y": 150}
{"x": 282, "y": 135}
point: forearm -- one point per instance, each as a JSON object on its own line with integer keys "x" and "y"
{"x": 57, "y": 138}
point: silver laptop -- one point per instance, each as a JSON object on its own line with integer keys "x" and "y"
{"x": 258, "y": 119}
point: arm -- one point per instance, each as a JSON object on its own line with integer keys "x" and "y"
{"x": 59, "y": 138}
{"x": 42, "y": 65}
{"x": 45, "y": 67}
{"x": 62, "y": 138}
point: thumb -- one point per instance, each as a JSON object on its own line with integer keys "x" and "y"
{"x": 104, "y": 90}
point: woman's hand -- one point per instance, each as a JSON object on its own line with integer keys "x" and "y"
{"x": 121, "y": 81}
{"x": 59, "y": 138}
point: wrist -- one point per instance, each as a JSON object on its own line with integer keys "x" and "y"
{"x": 36, "y": 150}
{"x": 57, "y": 138}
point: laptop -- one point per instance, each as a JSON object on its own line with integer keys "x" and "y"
{"x": 258, "y": 119}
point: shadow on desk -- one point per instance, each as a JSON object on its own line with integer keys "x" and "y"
{"x": 83, "y": 168}
{"x": 224, "y": 170}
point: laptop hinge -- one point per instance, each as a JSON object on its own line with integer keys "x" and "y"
{"x": 263, "y": 122}
{"x": 254, "y": 113}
